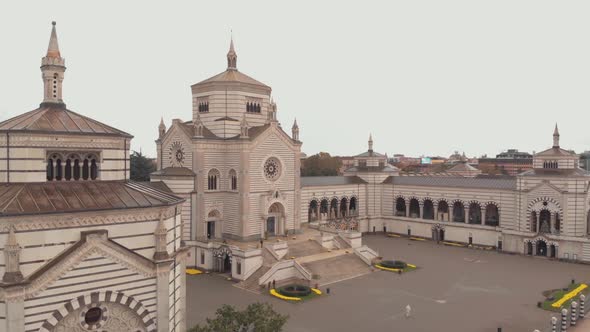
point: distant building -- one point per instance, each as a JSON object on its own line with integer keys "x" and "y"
{"x": 585, "y": 160}
{"x": 510, "y": 162}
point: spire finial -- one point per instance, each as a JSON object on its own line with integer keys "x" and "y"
{"x": 232, "y": 57}
{"x": 370, "y": 142}
{"x": 556, "y": 137}
{"x": 53, "y": 48}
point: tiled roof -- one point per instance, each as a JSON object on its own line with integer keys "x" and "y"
{"x": 232, "y": 75}
{"x": 505, "y": 182}
{"x": 556, "y": 172}
{"x": 555, "y": 152}
{"x": 370, "y": 154}
{"x": 462, "y": 167}
{"x": 79, "y": 196}
{"x": 308, "y": 181}
{"x": 174, "y": 171}
{"x": 50, "y": 118}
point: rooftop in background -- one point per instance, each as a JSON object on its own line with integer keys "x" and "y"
{"x": 514, "y": 154}
{"x": 309, "y": 181}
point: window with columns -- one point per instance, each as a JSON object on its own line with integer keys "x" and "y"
{"x": 233, "y": 179}
{"x": 70, "y": 166}
{"x": 213, "y": 180}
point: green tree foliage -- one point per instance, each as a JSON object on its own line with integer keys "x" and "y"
{"x": 321, "y": 164}
{"x": 141, "y": 167}
{"x": 259, "y": 317}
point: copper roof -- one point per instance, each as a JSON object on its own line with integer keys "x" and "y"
{"x": 69, "y": 196}
{"x": 55, "y": 118}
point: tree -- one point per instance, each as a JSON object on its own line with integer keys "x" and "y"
{"x": 141, "y": 167}
{"x": 321, "y": 164}
{"x": 259, "y": 317}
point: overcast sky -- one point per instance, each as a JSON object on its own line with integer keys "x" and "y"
{"x": 425, "y": 77}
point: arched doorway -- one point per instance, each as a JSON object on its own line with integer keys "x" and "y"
{"x": 428, "y": 210}
{"x": 333, "y": 208}
{"x": 324, "y": 209}
{"x": 352, "y": 209}
{"x": 541, "y": 248}
{"x": 344, "y": 207}
{"x": 529, "y": 248}
{"x": 443, "y": 210}
{"x": 275, "y": 219}
{"x": 222, "y": 259}
{"x": 400, "y": 207}
{"x": 312, "y": 213}
{"x": 458, "y": 212}
{"x": 414, "y": 208}
{"x": 213, "y": 224}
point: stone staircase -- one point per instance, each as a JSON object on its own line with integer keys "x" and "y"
{"x": 340, "y": 243}
{"x": 333, "y": 269}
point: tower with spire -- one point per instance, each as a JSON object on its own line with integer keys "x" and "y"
{"x": 556, "y": 137}
{"x": 232, "y": 56}
{"x": 295, "y": 131}
{"x": 53, "y": 67}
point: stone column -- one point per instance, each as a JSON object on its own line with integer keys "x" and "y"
{"x": 421, "y": 204}
{"x": 552, "y": 223}
{"x": 534, "y": 245}
{"x": 407, "y": 201}
{"x": 318, "y": 215}
{"x": 163, "y": 295}
{"x": 466, "y": 214}
{"x": 435, "y": 208}
{"x": 483, "y": 215}
{"x": 160, "y": 239}
{"x": 15, "y": 310}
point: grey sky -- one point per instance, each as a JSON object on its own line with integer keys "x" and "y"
{"x": 425, "y": 77}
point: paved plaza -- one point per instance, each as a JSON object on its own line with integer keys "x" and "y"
{"x": 455, "y": 289}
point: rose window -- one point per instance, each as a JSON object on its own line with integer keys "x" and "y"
{"x": 272, "y": 169}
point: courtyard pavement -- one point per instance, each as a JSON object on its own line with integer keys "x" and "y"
{"x": 454, "y": 289}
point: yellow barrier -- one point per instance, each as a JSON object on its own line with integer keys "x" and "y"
{"x": 273, "y": 292}
{"x": 569, "y": 296}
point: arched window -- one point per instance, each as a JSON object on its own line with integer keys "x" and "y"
{"x": 49, "y": 169}
{"x": 233, "y": 179}
{"x": 85, "y": 169}
{"x": 428, "y": 210}
{"x": 443, "y": 210}
{"x": 212, "y": 179}
{"x": 474, "y": 213}
{"x": 344, "y": 207}
{"x": 93, "y": 169}
{"x": 76, "y": 169}
{"x": 458, "y": 212}
{"x": 333, "y": 207}
{"x": 58, "y": 170}
{"x": 352, "y": 208}
{"x": 324, "y": 206}
{"x": 492, "y": 215}
{"x": 68, "y": 169}
{"x": 414, "y": 208}
{"x": 400, "y": 207}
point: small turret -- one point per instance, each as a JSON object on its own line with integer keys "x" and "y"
{"x": 232, "y": 57}
{"x": 272, "y": 112}
{"x": 160, "y": 235}
{"x": 161, "y": 128}
{"x": 12, "y": 259}
{"x": 53, "y": 67}
{"x": 556, "y": 137}
{"x": 370, "y": 143}
{"x": 295, "y": 131}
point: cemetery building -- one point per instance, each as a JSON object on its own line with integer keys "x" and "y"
{"x": 83, "y": 248}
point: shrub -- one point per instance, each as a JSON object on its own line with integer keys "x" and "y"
{"x": 394, "y": 264}
{"x": 295, "y": 290}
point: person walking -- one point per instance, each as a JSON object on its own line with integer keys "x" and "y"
{"x": 408, "y": 311}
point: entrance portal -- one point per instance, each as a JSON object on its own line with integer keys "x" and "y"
{"x": 226, "y": 264}
{"x": 552, "y": 251}
{"x": 211, "y": 229}
{"x": 541, "y": 248}
{"x": 270, "y": 225}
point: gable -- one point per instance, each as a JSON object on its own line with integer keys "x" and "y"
{"x": 177, "y": 142}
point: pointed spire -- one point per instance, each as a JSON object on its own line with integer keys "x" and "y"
{"x": 232, "y": 57}
{"x": 12, "y": 250}
{"x": 556, "y": 137}
{"x": 370, "y": 142}
{"x": 295, "y": 130}
{"x": 198, "y": 125}
{"x": 53, "y": 48}
{"x": 161, "y": 128}
{"x": 53, "y": 67}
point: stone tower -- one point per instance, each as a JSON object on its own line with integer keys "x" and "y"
{"x": 53, "y": 67}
